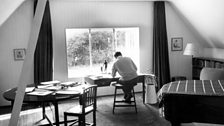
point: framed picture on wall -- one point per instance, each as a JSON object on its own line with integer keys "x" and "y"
{"x": 177, "y": 44}
{"x": 19, "y": 54}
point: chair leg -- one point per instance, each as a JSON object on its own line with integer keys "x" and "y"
{"x": 83, "y": 121}
{"x": 80, "y": 122}
{"x": 115, "y": 94}
{"x": 65, "y": 119}
{"x": 133, "y": 92}
{"x": 94, "y": 118}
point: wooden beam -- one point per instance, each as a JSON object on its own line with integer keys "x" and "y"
{"x": 23, "y": 81}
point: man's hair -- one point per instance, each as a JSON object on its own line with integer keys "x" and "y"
{"x": 117, "y": 54}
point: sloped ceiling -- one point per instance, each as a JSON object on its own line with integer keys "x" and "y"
{"x": 206, "y": 17}
{"x": 7, "y": 7}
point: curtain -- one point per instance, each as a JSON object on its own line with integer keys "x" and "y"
{"x": 160, "y": 45}
{"x": 43, "y": 56}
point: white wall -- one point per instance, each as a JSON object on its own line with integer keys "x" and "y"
{"x": 180, "y": 65}
{"x": 184, "y": 19}
{"x": 214, "y": 53}
{"x": 206, "y": 18}
{"x": 86, "y": 14}
{"x": 14, "y": 33}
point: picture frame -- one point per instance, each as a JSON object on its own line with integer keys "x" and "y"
{"x": 177, "y": 44}
{"x": 19, "y": 54}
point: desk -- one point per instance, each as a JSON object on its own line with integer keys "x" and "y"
{"x": 52, "y": 98}
{"x": 106, "y": 79}
{"x": 182, "y": 101}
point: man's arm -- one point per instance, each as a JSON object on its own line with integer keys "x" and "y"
{"x": 134, "y": 65}
{"x": 114, "y": 71}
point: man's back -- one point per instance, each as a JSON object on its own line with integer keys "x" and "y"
{"x": 125, "y": 67}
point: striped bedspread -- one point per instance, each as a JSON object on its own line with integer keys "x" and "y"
{"x": 192, "y": 87}
{"x": 195, "y": 87}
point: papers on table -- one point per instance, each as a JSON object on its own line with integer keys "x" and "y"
{"x": 67, "y": 92}
{"x": 56, "y": 87}
{"x": 29, "y": 89}
{"x": 40, "y": 92}
{"x": 69, "y": 83}
{"x": 50, "y": 82}
{"x": 73, "y": 90}
{"x": 50, "y": 85}
{"x": 100, "y": 76}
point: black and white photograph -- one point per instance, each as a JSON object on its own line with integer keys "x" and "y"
{"x": 19, "y": 54}
{"x": 177, "y": 44}
{"x": 112, "y": 62}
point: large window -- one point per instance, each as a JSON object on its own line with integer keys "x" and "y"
{"x": 88, "y": 49}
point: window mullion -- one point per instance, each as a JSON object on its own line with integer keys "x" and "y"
{"x": 90, "y": 49}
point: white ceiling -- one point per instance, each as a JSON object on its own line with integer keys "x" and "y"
{"x": 206, "y": 17}
{"x": 7, "y": 7}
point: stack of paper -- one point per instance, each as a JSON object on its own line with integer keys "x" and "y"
{"x": 49, "y": 87}
{"x": 29, "y": 89}
{"x": 67, "y": 92}
{"x": 70, "y": 83}
{"x": 50, "y": 82}
{"x": 40, "y": 92}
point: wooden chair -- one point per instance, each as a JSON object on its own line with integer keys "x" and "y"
{"x": 122, "y": 103}
{"x": 86, "y": 106}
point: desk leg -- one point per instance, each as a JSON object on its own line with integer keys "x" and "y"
{"x": 96, "y": 98}
{"x": 143, "y": 91}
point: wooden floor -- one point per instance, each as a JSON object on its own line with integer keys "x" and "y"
{"x": 148, "y": 115}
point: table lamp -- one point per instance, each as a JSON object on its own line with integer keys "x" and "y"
{"x": 191, "y": 49}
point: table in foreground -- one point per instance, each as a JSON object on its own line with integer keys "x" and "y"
{"x": 185, "y": 101}
{"x": 106, "y": 79}
{"x": 53, "y": 98}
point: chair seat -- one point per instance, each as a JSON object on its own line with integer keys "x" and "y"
{"x": 87, "y": 105}
{"x": 115, "y": 84}
{"x": 118, "y": 85}
{"x": 78, "y": 109}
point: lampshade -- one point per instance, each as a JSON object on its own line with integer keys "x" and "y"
{"x": 191, "y": 49}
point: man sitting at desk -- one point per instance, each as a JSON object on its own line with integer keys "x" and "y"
{"x": 128, "y": 71}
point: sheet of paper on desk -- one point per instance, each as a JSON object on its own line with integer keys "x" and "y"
{"x": 94, "y": 77}
{"x": 67, "y": 92}
{"x": 78, "y": 88}
{"x": 53, "y": 88}
{"x": 50, "y": 82}
{"x": 40, "y": 92}
{"x": 49, "y": 87}
{"x": 29, "y": 89}
{"x": 69, "y": 83}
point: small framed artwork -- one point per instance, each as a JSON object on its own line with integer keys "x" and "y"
{"x": 19, "y": 54}
{"x": 177, "y": 44}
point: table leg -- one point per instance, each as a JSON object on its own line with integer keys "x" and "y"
{"x": 57, "y": 122}
{"x": 56, "y": 114}
{"x": 43, "y": 110}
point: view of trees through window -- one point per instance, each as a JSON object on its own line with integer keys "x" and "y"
{"x": 88, "y": 49}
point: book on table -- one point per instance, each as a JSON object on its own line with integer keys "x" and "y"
{"x": 50, "y": 82}
{"x": 40, "y": 92}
